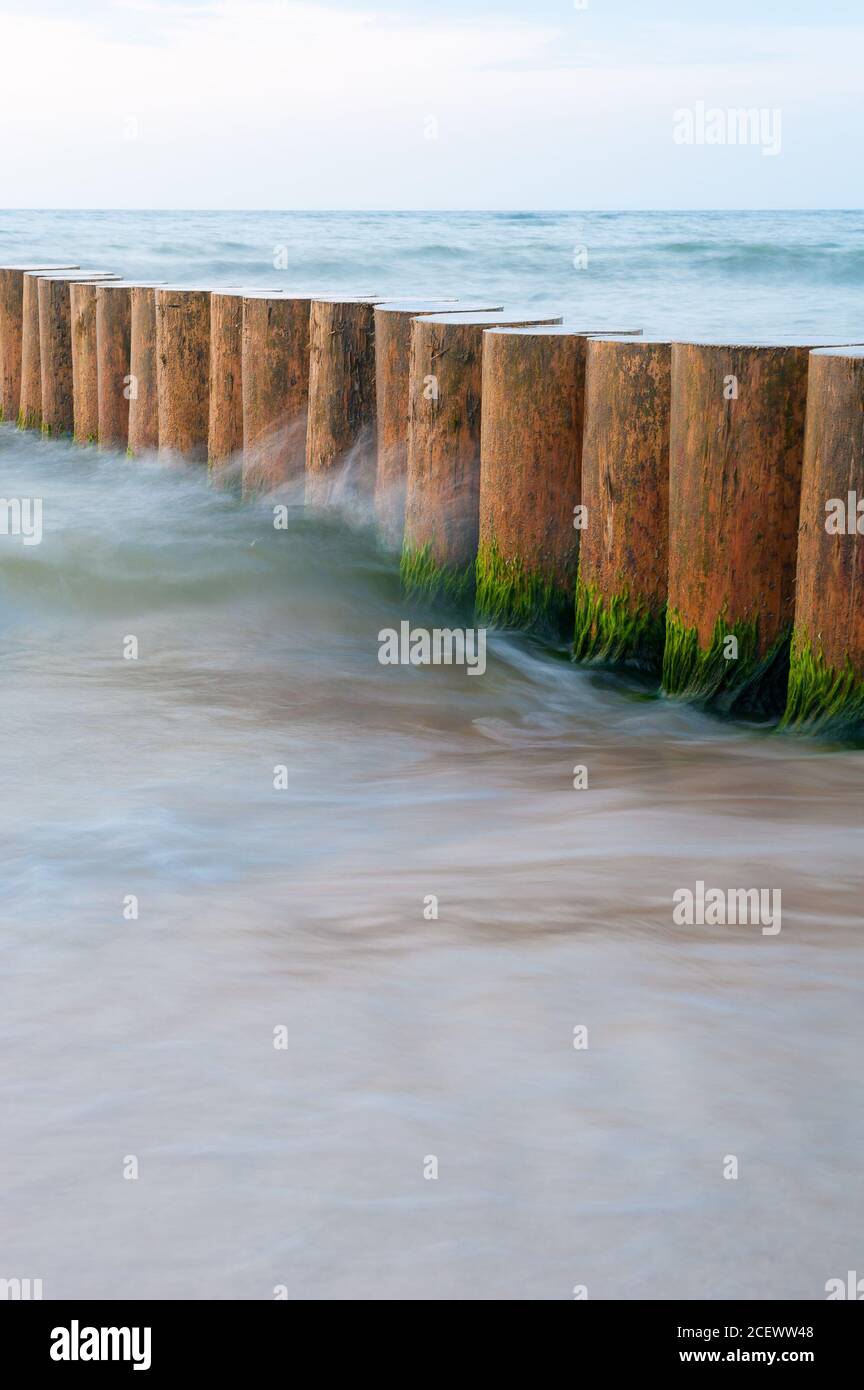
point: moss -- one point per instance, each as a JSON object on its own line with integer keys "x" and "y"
{"x": 2, "y": 414}
{"x": 425, "y": 578}
{"x": 617, "y": 630}
{"x": 749, "y": 685}
{"x": 509, "y": 595}
{"x": 28, "y": 420}
{"x": 822, "y": 699}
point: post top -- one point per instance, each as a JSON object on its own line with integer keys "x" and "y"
{"x": 29, "y": 269}
{"x": 203, "y": 289}
{"x": 847, "y": 350}
{"x": 424, "y": 306}
{"x": 348, "y": 299}
{"x": 779, "y": 343}
{"x": 79, "y": 275}
{"x": 555, "y": 328}
{"x": 129, "y": 284}
{"x": 241, "y": 291}
{"x": 258, "y": 293}
{"x": 638, "y": 339}
{"x": 501, "y": 319}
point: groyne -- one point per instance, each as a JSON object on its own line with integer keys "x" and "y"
{"x": 690, "y": 508}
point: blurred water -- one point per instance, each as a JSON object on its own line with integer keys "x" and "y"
{"x": 304, "y": 908}
{"x": 747, "y": 273}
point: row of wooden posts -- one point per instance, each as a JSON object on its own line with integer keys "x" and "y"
{"x": 669, "y": 506}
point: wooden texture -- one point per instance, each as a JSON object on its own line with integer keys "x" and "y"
{"x": 275, "y": 371}
{"x": 442, "y": 509}
{"x": 392, "y": 362}
{"x": 183, "y": 372}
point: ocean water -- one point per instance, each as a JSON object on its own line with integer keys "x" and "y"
{"x": 406, "y": 1038}
{"x": 744, "y": 273}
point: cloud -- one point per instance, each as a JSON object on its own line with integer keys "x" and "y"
{"x": 235, "y": 104}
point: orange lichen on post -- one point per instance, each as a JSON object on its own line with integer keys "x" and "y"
{"x": 85, "y": 389}
{"x": 530, "y": 476}
{"x": 442, "y": 507}
{"x": 183, "y": 372}
{"x": 11, "y": 332}
{"x": 143, "y": 429}
{"x": 275, "y": 365}
{"x": 736, "y": 453}
{"x": 621, "y": 590}
{"x": 826, "y": 678}
{"x": 392, "y": 362}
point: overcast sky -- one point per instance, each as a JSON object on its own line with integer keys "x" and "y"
{"x": 468, "y": 104}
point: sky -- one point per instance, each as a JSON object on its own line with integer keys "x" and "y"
{"x": 480, "y": 104}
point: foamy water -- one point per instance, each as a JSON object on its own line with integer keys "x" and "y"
{"x": 406, "y": 1038}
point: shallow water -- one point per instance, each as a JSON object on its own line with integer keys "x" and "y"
{"x": 304, "y": 908}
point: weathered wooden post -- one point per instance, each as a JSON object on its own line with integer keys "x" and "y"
{"x": 624, "y": 547}
{"x": 392, "y": 361}
{"x": 183, "y": 372}
{"x": 275, "y": 371}
{"x": 340, "y": 437}
{"x": 530, "y": 476}
{"x": 143, "y": 398}
{"x": 11, "y": 330}
{"x": 225, "y": 428}
{"x": 85, "y": 379}
{"x": 54, "y": 302}
{"x": 225, "y": 431}
{"x": 442, "y": 505}
{"x": 113, "y": 348}
{"x": 826, "y": 677}
{"x": 736, "y": 451}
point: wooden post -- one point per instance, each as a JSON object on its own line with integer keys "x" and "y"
{"x": 85, "y": 381}
{"x": 183, "y": 372}
{"x": 826, "y": 678}
{"x": 113, "y": 335}
{"x": 275, "y": 370}
{"x": 392, "y": 360}
{"x": 143, "y": 397}
{"x": 225, "y": 431}
{"x": 442, "y": 507}
{"x": 624, "y": 545}
{"x": 530, "y": 476}
{"x": 54, "y": 302}
{"x": 736, "y": 452}
{"x": 340, "y": 438}
{"x": 11, "y": 329}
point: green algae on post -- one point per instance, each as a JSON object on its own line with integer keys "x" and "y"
{"x": 423, "y": 578}
{"x": 617, "y": 629}
{"x": 734, "y": 674}
{"x": 508, "y": 594}
{"x": 822, "y": 699}
{"x": 826, "y": 678}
